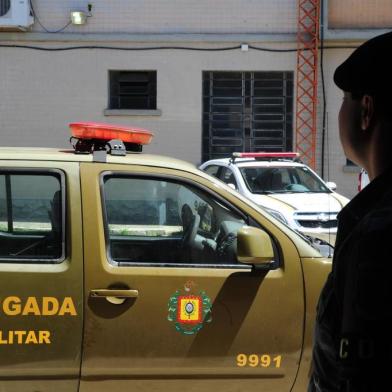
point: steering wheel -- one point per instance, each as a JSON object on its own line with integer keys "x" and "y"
{"x": 190, "y": 225}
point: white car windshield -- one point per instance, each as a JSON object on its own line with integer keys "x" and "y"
{"x": 265, "y": 180}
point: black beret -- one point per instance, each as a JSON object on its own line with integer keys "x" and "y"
{"x": 368, "y": 70}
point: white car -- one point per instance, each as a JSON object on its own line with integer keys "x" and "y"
{"x": 287, "y": 189}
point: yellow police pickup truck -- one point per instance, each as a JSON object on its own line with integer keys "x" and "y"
{"x": 122, "y": 271}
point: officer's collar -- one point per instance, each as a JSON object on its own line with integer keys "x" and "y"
{"x": 369, "y": 197}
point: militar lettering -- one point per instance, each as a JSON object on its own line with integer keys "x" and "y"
{"x": 33, "y": 306}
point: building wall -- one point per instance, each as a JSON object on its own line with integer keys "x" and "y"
{"x": 359, "y": 14}
{"x": 335, "y": 161}
{"x": 172, "y": 16}
{"x": 41, "y": 92}
{"x": 47, "y": 90}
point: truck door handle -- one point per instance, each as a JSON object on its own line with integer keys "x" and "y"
{"x": 120, "y": 293}
{"x": 114, "y": 296}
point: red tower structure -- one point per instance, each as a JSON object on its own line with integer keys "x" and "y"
{"x": 307, "y": 77}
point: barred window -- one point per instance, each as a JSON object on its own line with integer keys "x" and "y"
{"x": 246, "y": 111}
{"x": 133, "y": 90}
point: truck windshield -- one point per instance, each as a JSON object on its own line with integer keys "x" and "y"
{"x": 264, "y": 180}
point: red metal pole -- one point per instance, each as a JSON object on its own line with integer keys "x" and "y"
{"x": 307, "y": 78}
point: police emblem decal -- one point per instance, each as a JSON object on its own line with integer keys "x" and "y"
{"x": 189, "y": 310}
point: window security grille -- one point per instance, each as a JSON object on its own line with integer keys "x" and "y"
{"x": 246, "y": 111}
{"x": 133, "y": 89}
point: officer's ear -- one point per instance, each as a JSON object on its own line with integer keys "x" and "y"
{"x": 367, "y": 112}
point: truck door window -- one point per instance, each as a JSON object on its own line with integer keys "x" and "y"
{"x": 31, "y": 217}
{"x": 154, "y": 221}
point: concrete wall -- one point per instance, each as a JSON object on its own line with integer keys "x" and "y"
{"x": 335, "y": 161}
{"x": 41, "y": 92}
{"x": 359, "y": 14}
{"x": 172, "y": 16}
{"x": 44, "y": 91}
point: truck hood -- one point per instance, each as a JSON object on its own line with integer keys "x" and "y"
{"x": 310, "y": 202}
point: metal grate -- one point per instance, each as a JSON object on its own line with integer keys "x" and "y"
{"x": 246, "y": 111}
{"x": 4, "y": 6}
{"x": 318, "y": 224}
{"x": 133, "y": 90}
{"x": 314, "y": 220}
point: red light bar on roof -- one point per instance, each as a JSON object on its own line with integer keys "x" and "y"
{"x": 265, "y": 154}
{"x": 106, "y": 132}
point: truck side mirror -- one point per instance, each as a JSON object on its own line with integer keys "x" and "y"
{"x": 254, "y": 246}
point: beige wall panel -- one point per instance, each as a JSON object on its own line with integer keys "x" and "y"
{"x": 47, "y": 90}
{"x": 335, "y": 160}
{"x": 359, "y": 14}
{"x": 172, "y": 16}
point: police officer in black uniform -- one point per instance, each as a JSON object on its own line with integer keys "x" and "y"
{"x": 353, "y": 336}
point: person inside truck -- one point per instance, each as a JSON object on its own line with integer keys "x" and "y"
{"x": 352, "y": 344}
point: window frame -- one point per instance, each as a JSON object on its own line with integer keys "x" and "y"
{"x": 152, "y": 97}
{"x": 62, "y": 178}
{"x": 245, "y": 133}
{"x": 179, "y": 180}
